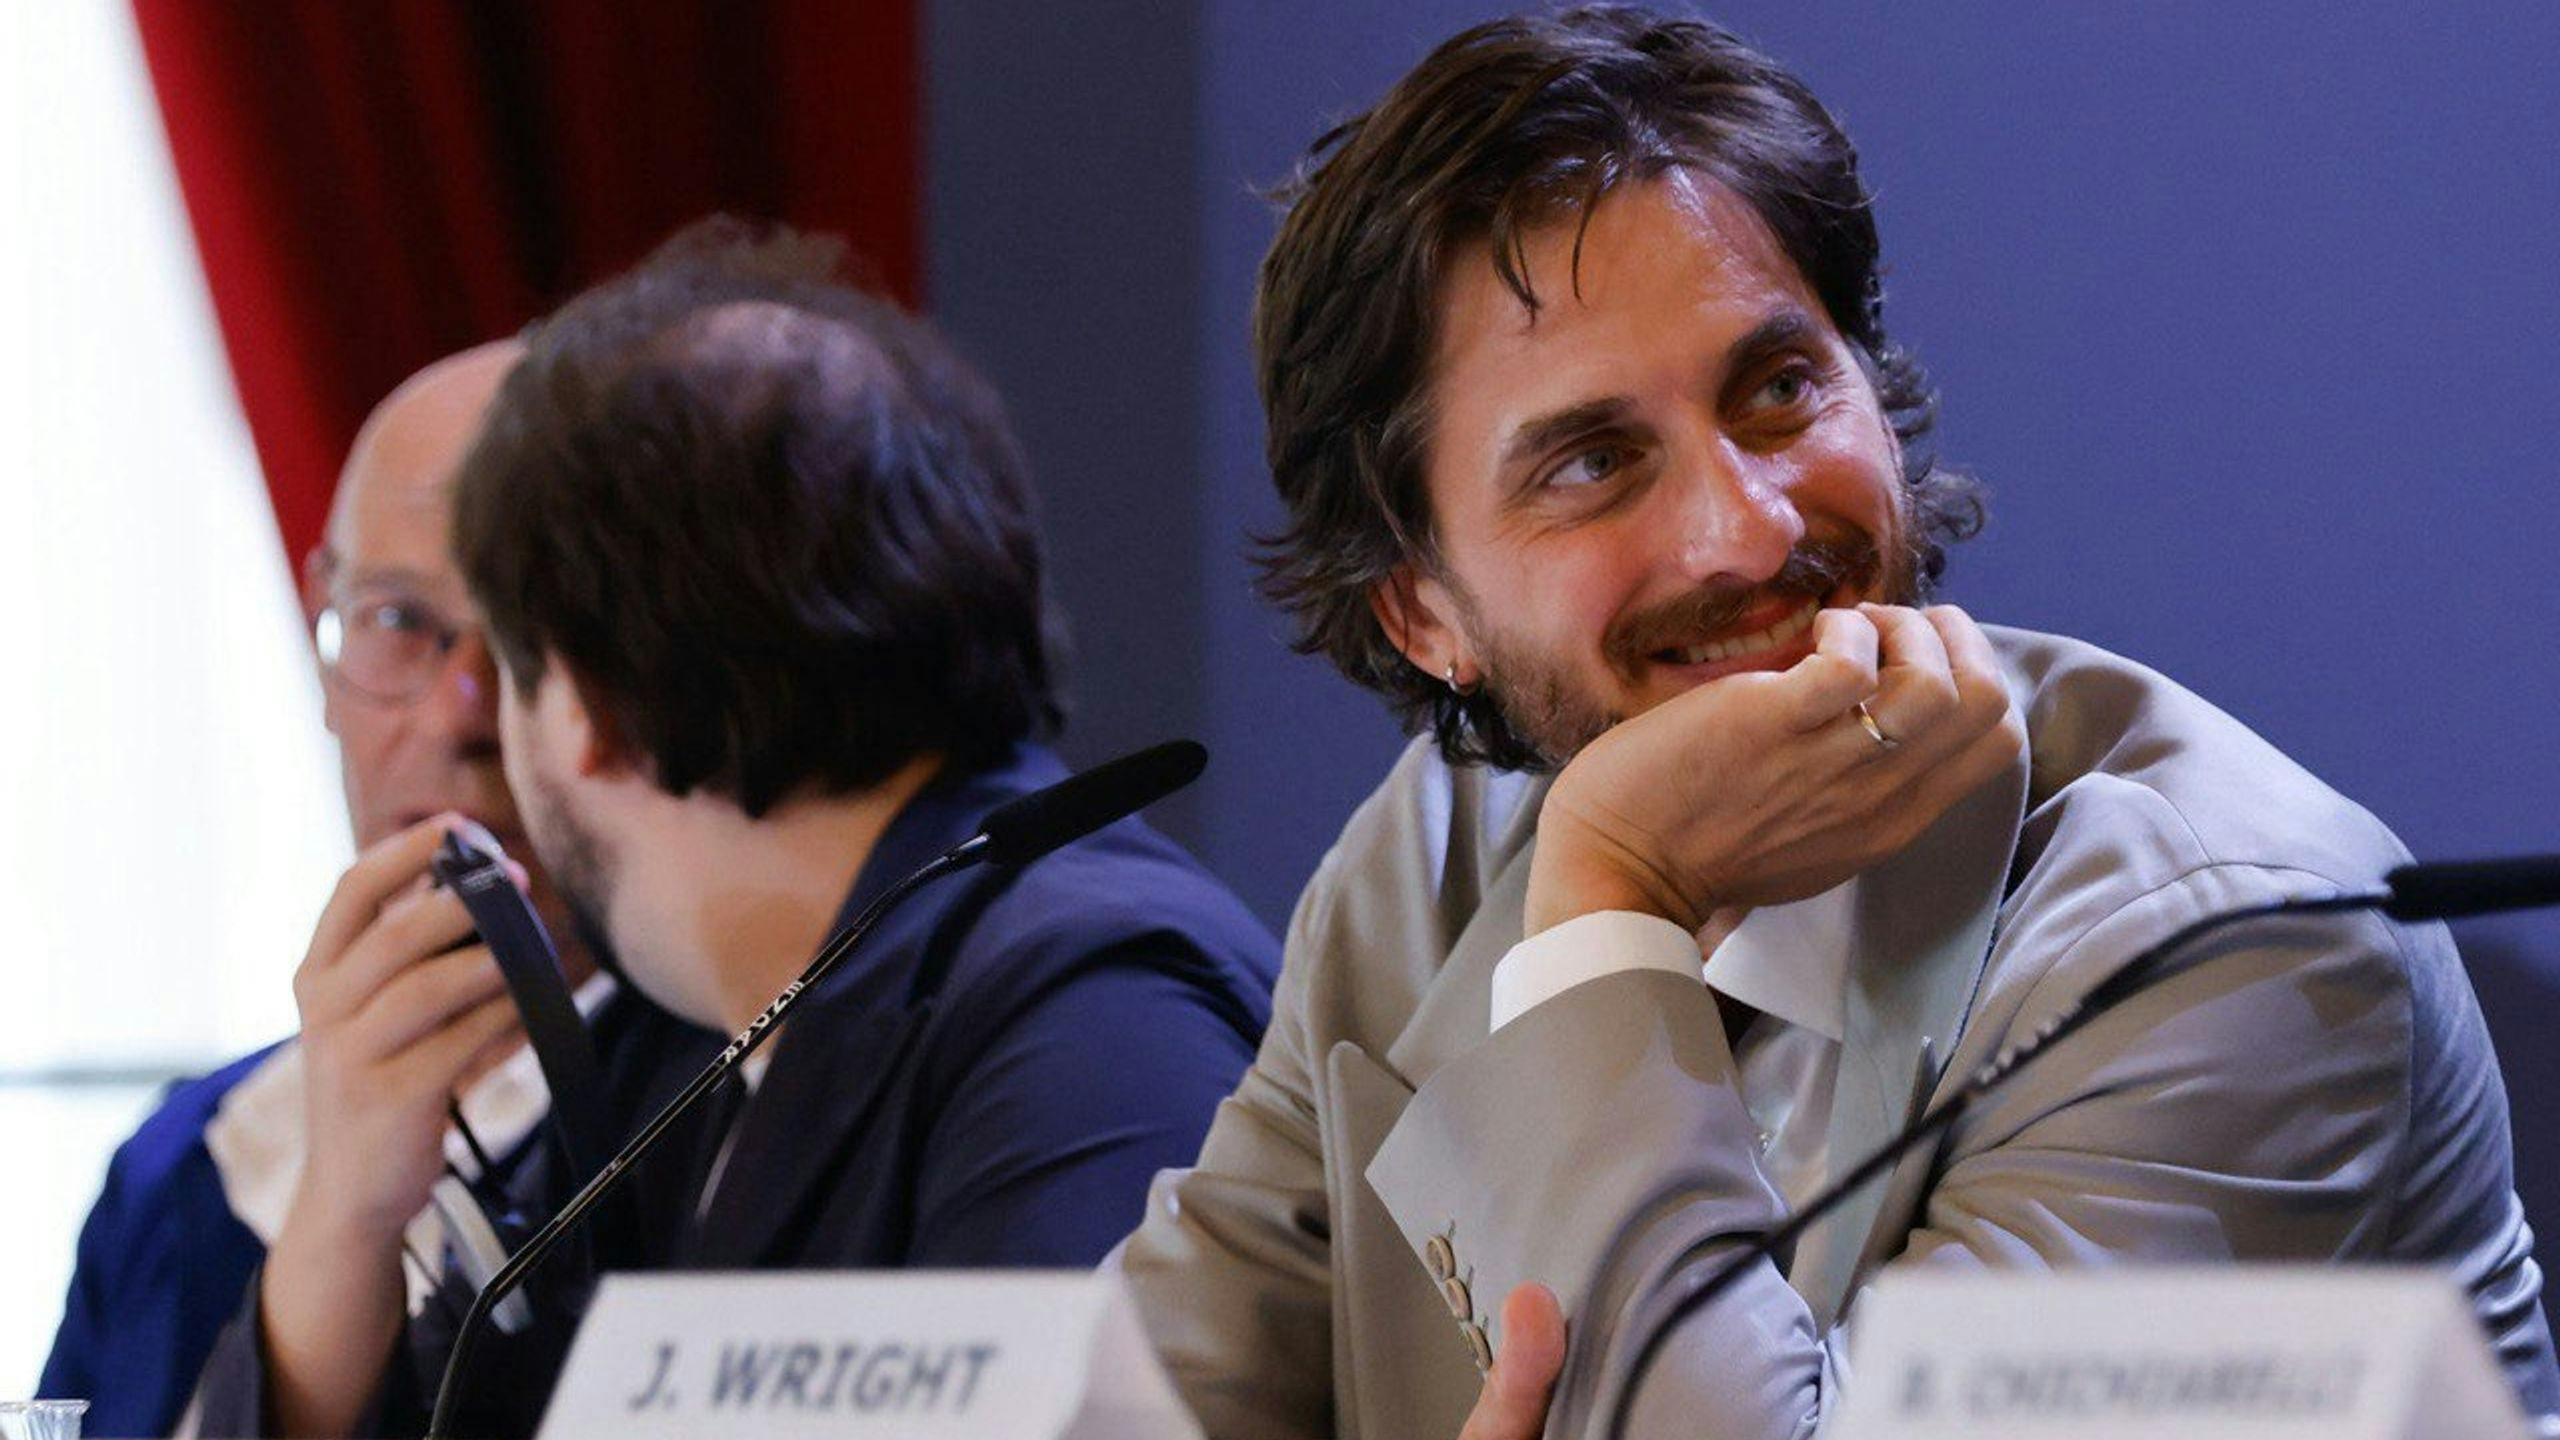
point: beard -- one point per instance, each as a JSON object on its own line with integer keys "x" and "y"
{"x": 575, "y": 860}
{"x": 1540, "y": 697}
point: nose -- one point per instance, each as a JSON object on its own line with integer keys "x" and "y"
{"x": 1735, "y": 519}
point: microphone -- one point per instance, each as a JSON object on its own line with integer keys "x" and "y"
{"x": 474, "y": 868}
{"x": 1013, "y": 835}
{"x": 2410, "y": 894}
{"x": 2449, "y": 890}
{"x": 1043, "y": 820}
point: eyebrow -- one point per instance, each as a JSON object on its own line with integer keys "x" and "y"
{"x": 1788, "y": 327}
{"x": 1533, "y": 438}
{"x": 388, "y": 576}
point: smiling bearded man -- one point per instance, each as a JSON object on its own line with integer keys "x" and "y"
{"x": 1601, "y": 467}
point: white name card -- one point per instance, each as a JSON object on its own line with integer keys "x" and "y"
{"x": 2245, "y": 1353}
{"x": 864, "y": 1355}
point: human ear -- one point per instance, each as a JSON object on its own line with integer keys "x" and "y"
{"x": 318, "y": 569}
{"x": 588, "y": 732}
{"x": 1419, "y": 615}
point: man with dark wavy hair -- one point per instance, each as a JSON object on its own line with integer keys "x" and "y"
{"x": 1602, "y": 468}
{"x": 756, "y": 556}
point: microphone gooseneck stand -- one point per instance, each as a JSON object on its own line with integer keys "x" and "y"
{"x": 1017, "y": 834}
{"x": 2410, "y": 893}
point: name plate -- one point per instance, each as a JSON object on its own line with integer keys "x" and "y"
{"x": 2236, "y": 1353}
{"x": 992, "y": 1355}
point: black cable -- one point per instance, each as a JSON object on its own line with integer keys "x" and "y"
{"x": 470, "y": 1141}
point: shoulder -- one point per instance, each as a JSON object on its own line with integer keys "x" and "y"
{"x": 2149, "y": 809}
{"x": 1123, "y": 895}
{"x": 160, "y": 1263}
{"x": 163, "y": 1181}
{"x": 2129, "y": 768}
{"x": 1440, "y": 828}
{"x": 173, "y": 1133}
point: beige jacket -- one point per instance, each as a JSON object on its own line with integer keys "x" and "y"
{"x": 2316, "y": 1089}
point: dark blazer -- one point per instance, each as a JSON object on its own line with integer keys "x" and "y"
{"x": 992, "y": 1080}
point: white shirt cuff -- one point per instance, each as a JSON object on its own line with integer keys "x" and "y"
{"x": 1588, "y": 947}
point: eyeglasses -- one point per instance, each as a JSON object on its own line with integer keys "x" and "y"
{"x": 386, "y": 645}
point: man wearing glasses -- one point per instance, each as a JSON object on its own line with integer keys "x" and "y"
{"x": 194, "y": 1198}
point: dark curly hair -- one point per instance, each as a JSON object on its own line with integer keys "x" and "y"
{"x": 1506, "y": 127}
{"x": 777, "y": 530}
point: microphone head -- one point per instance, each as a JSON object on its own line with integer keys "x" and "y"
{"x": 2449, "y": 890}
{"x": 467, "y": 845}
{"x": 1026, "y": 829}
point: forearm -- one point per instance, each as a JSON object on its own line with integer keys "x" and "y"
{"x": 330, "y": 1304}
{"x": 1753, "y": 1364}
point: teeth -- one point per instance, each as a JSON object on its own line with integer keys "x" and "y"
{"x": 1753, "y": 644}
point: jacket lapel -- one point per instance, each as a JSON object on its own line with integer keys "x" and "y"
{"x": 1920, "y": 935}
{"x": 1389, "y": 1383}
{"x": 825, "y": 1085}
{"x": 1493, "y": 820}
{"x": 1457, "y": 1009}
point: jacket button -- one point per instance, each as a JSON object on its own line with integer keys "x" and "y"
{"x": 1442, "y": 1260}
{"x": 1479, "y": 1346}
{"x": 1461, "y": 1304}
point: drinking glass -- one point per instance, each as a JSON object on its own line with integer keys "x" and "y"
{"x": 41, "y": 1419}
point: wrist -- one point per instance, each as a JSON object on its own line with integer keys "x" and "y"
{"x": 340, "y": 1223}
{"x": 1568, "y": 881}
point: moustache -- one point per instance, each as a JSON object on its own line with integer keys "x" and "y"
{"x": 1812, "y": 570}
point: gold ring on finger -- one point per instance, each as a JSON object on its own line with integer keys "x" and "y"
{"x": 1867, "y": 718}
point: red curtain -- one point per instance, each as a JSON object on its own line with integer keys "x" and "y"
{"x": 376, "y": 185}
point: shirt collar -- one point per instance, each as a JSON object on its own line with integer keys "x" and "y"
{"x": 1792, "y": 961}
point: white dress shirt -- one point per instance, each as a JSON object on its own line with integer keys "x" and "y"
{"x": 1789, "y": 963}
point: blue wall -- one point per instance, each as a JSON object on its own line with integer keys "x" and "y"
{"x": 2248, "y": 320}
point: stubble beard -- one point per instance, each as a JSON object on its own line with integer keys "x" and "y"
{"x": 575, "y": 860}
{"x": 1538, "y": 697}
